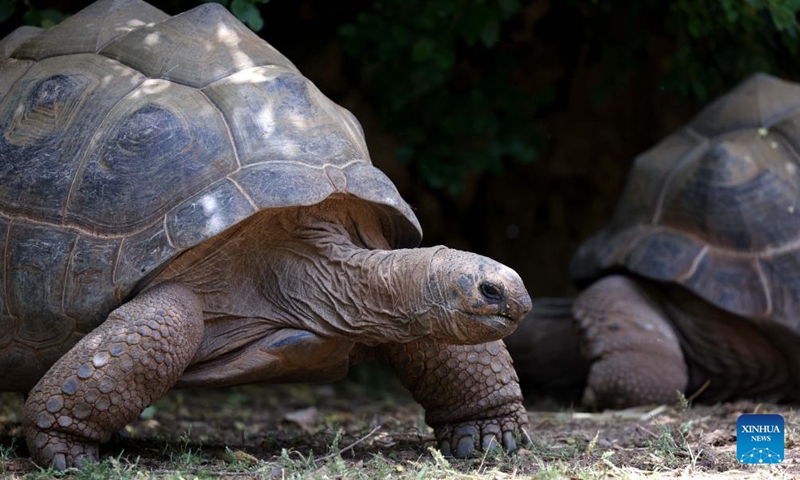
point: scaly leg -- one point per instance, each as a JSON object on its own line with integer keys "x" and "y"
{"x": 470, "y": 393}
{"x": 108, "y": 378}
{"x": 546, "y": 351}
{"x": 634, "y": 353}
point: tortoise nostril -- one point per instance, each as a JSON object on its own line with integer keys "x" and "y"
{"x": 491, "y": 292}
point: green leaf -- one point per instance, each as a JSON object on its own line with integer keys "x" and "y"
{"x": 450, "y": 123}
{"x": 248, "y": 14}
{"x": 783, "y": 19}
{"x": 43, "y": 18}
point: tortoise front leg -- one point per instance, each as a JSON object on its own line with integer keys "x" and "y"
{"x": 634, "y": 353}
{"x": 108, "y": 378}
{"x": 470, "y": 393}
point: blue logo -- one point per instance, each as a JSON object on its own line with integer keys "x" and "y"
{"x": 759, "y": 438}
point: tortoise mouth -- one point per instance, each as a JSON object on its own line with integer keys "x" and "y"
{"x": 501, "y": 323}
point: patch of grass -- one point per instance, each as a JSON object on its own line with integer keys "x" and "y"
{"x": 7, "y": 452}
{"x": 187, "y": 457}
{"x": 671, "y": 450}
{"x": 111, "y": 467}
{"x": 293, "y": 461}
{"x": 668, "y": 441}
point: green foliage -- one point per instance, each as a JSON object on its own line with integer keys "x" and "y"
{"x": 40, "y": 17}
{"x": 45, "y": 18}
{"x": 442, "y": 86}
{"x": 246, "y": 11}
{"x": 700, "y": 47}
{"x": 722, "y": 40}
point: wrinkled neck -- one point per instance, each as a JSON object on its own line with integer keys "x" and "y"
{"x": 388, "y": 290}
{"x": 336, "y": 288}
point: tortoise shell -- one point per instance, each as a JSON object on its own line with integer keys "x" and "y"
{"x": 128, "y": 136}
{"x": 715, "y": 207}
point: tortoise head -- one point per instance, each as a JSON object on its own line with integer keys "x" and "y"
{"x": 474, "y": 298}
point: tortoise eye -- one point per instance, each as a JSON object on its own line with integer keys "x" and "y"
{"x": 491, "y": 292}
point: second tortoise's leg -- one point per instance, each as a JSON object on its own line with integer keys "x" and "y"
{"x": 470, "y": 393}
{"x": 634, "y": 354}
{"x": 546, "y": 351}
{"x": 107, "y": 379}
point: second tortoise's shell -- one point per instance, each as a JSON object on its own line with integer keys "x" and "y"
{"x": 128, "y": 136}
{"x": 716, "y": 207}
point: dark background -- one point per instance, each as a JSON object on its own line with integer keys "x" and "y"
{"x": 510, "y": 125}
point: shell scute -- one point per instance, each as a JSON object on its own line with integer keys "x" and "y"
{"x": 161, "y": 145}
{"x": 13, "y": 40}
{"x": 733, "y": 283}
{"x": 665, "y": 255}
{"x": 366, "y": 182}
{"x": 283, "y": 184}
{"x": 141, "y": 255}
{"x": 208, "y": 213}
{"x": 787, "y": 131}
{"x": 91, "y": 268}
{"x": 641, "y": 197}
{"x": 278, "y": 116}
{"x": 195, "y": 48}
{"x": 12, "y": 70}
{"x": 37, "y": 261}
{"x": 758, "y": 102}
{"x": 782, "y": 274}
{"x": 90, "y": 29}
{"x": 736, "y": 196}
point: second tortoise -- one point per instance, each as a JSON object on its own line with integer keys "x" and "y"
{"x": 694, "y": 286}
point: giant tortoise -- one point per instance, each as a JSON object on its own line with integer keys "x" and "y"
{"x": 695, "y": 282}
{"x": 179, "y": 206}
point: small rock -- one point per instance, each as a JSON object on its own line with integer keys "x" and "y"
{"x": 306, "y": 418}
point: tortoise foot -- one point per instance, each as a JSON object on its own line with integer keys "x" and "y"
{"x": 634, "y": 352}
{"x": 463, "y": 440}
{"x": 470, "y": 393}
{"x": 629, "y": 379}
{"x": 59, "y": 449}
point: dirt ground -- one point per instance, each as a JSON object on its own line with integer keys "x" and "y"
{"x": 295, "y": 431}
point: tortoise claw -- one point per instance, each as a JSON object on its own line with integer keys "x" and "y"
{"x": 60, "y": 462}
{"x": 444, "y": 447}
{"x": 509, "y": 444}
{"x": 61, "y": 450}
{"x": 466, "y": 447}
{"x": 478, "y": 435}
